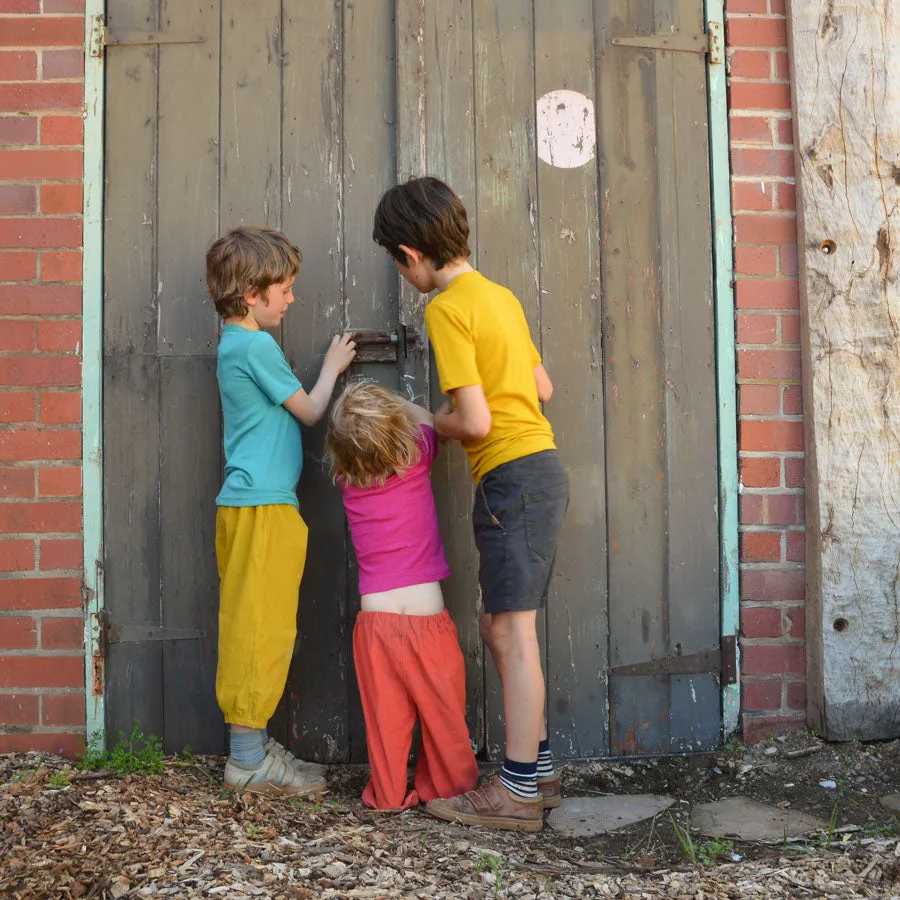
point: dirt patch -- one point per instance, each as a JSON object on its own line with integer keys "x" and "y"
{"x": 178, "y": 834}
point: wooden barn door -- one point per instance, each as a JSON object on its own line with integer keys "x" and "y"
{"x": 583, "y": 164}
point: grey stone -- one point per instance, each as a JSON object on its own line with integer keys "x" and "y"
{"x": 891, "y": 802}
{"x": 586, "y": 816}
{"x": 750, "y": 820}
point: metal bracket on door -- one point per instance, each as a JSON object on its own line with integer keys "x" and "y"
{"x": 708, "y": 42}
{"x": 383, "y": 346}
{"x": 101, "y": 36}
{"x": 720, "y": 661}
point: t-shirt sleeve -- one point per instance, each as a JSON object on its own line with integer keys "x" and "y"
{"x": 429, "y": 444}
{"x": 269, "y": 369}
{"x": 454, "y": 348}
{"x": 535, "y": 356}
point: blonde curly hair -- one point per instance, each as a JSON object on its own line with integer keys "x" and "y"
{"x": 370, "y": 436}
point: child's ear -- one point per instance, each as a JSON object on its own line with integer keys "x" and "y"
{"x": 251, "y": 297}
{"x": 413, "y": 257}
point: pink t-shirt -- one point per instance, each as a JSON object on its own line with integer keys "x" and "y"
{"x": 395, "y": 528}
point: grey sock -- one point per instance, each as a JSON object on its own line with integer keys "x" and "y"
{"x": 247, "y": 747}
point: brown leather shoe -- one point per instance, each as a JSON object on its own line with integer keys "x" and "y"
{"x": 492, "y": 806}
{"x": 548, "y": 788}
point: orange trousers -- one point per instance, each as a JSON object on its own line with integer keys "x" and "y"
{"x": 411, "y": 667}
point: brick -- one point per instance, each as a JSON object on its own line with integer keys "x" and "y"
{"x": 60, "y": 336}
{"x": 767, "y": 294}
{"x": 783, "y": 509}
{"x": 784, "y": 131}
{"x": 796, "y": 695}
{"x": 765, "y": 229}
{"x": 786, "y": 196}
{"x": 16, "y": 556}
{"x": 773, "y": 659}
{"x": 41, "y": 163}
{"x": 756, "y": 31}
{"x": 761, "y": 622}
{"x": 750, "y": 130}
{"x": 18, "y": 65}
{"x": 60, "y": 408}
{"x": 22, "y": 594}
{"x": 773, "y": 584}
{"x": 59, "y": 481}
{"x": 760, "y": 546}
{"x": 62, "y": 199}
{"x": 19, "y": 709}
{"x": 787, "y": 261}
{"x": 766, "y": 364}
{"x": 794, "y": 473}
{"x": 16, "y": 408}
{"x": 782, "y": 66}
{"x": 62, "y": 131}
{"x": 790, "y": 329}
{"x": 16, "y": 481}
{"x": 748, "y": 6}
{"x": 33, "y": 516}
{"x": 752, "y": 161}
{"x": 65, "y": 744}
{"x": 18, "y": 633}
{"x": 752, "y": 196}
{"x": 25, "y": 371}
{"x": 42, "y": 31}
{"x": 39, "y": 444}
{"x": 63, "y": 265}
{"x": 16, "y": 200}
{"x": 751, "y": 509}
{"x": 74, "y": 6}
{"x": 796, "y": 616}
{"x": 40, "y": 300}
{"x": 776, "y": 7}
{"x": 18, "y": 265}
{"x": 62, "y": 634}
{"x": 67, "y": 63}
{"x": 760, "y": 472}
{"x": 759, "y": 399}
{"x": 16, "y": 335}
{"x": 18, "y": 129}
{"x": 759, "y": 95}
{"x": 42, "y": 671}
{"x": 759, "y": 695}
{"x": 758, "y": 728}
{"x": 750, "y": 64}
{"x": 756, "y": 329}
{"x": 755, "y": 260}
{"x": 35, "y": 95}
{"x": 20, "y": 6}
{"x": 40, "y": 232}
{"x": 61, "y": 554}
{"x": 62, "y": 709}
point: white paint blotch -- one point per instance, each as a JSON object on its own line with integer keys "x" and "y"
{"x": 566, "y": 131}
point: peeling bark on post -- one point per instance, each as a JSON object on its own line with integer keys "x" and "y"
{"x": 844, "y": 58}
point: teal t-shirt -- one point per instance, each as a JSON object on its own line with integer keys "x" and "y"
{"x": 263, "y": 447}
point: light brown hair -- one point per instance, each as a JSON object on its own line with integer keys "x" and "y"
{"x": 370, "y": 437}
{"x": 248, "y": 258}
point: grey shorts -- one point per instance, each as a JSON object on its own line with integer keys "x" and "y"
{"x": 518, "y": 515}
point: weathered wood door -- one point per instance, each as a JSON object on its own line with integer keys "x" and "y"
{"x": 583, "y": 164}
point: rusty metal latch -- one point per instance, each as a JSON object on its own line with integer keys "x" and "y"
{"x": 383, "y": 346}
{"x": 102, "y": 36}
{"x": 709, "y": 42}
{"x": 133, "y": 633}
{"x": 719, "y": 661}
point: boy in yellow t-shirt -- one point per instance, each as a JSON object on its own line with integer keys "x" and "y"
{"x": 489, "y": 366}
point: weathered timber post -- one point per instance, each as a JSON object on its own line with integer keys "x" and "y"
{"x": 845, "y": 59}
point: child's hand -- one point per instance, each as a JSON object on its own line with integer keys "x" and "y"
{"x": 340, "y": 354}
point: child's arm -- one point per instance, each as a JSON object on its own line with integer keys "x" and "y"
{"x": 418, "y": 414}
{"x": 309, "y": 408}
{"x": 544, "y": 384}
{"x": 467, "y": 417}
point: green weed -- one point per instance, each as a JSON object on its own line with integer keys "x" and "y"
{"x": 688, "y": 847}
{"x": 492, "y": 863}
{"x": 134, "y": 754}
{"x": 59, "y": 781}
{"x": 710, "y": 852}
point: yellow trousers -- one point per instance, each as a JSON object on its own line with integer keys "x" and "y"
{"x": 261, "y": 551}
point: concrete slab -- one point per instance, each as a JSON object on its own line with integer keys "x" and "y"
{"x": 587, "y": 816}
{"x": 750, "y": 820}
{"x": 891, "y": 802}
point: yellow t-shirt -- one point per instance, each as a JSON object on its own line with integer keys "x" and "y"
{"x": 480, "y": 336}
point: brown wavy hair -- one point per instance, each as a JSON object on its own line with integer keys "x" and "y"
{"x": 248, "y": 258}
{"x": 370, "y": 437}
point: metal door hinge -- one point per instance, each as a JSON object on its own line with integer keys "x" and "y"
{"x": 720, "y": 661}
{"x": 101, "y": 37}
{"x": 709, "y": 42}
{"x": 136, "y": 633}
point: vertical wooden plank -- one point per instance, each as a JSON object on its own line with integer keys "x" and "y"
{"x": 134, "y": 674}
{"x": 568, "y": 229}
{"x": 316, "y": 707}
{"x": 250, "y": 127}
{"x": 189, "y": 481}
{"x": 688, "y": 389}
{"x": 506, "y": 192}
{"x": 450, "y": 147}
{"x": 188, "y": 177}
{"x": 635, "y": 420}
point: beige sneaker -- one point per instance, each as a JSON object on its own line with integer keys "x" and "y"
{"x": 301, "y": 765}
{"x": 273, "y": 776}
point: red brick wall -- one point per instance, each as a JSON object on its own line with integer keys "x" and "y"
{"x": 770, "y": 427}
{"x": 41, "y": 136}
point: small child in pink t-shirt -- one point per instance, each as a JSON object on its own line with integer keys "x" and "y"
{"x": 405, "y": 646}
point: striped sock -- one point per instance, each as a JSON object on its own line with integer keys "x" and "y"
{"x": 545, "y": 760}
{"x": 519, "y": 778}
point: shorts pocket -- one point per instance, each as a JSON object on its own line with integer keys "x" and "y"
{"x": 545, "y": 509}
